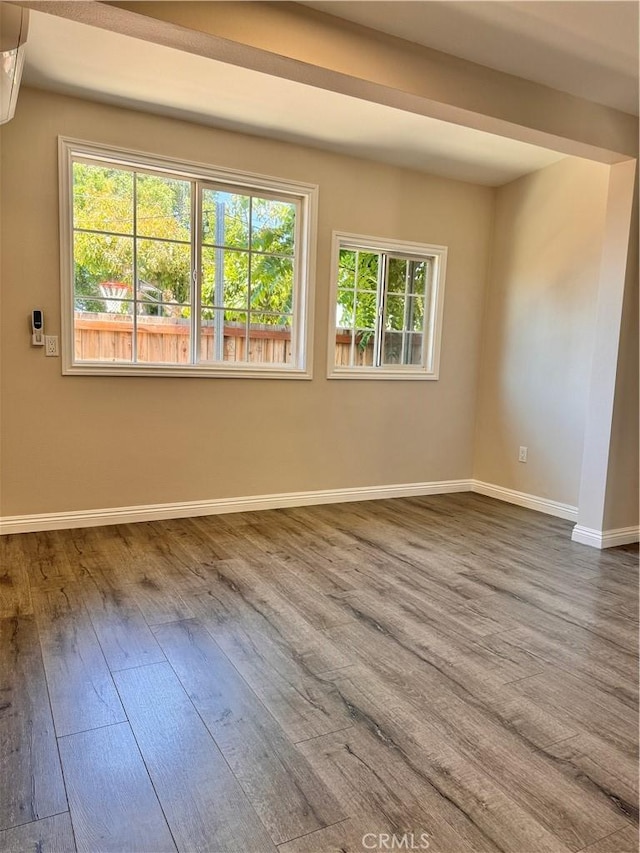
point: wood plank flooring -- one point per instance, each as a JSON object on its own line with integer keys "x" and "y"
{"x": 450, "y": 671}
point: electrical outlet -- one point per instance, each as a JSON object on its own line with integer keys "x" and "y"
{"x": 522, "y": 455}
{"x": 51, "y": 345}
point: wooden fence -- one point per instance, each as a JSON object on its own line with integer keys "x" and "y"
{"x": 109, "y": 337}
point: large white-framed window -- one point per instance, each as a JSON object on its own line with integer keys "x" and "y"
{"x": 387, "y": 301}
{"x": 180, "y": 269}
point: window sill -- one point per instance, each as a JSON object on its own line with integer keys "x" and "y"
{"x": 381, "y": 373}
{"x": 203, "y": 372}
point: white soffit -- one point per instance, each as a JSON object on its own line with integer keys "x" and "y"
{"x": 73, "y": 58}
{"x": 587, "y": 48}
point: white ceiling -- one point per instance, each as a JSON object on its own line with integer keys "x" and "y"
{"x": 589, "y": 49}
{"x": 77, "y": 59}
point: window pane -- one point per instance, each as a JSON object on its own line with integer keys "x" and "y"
{"x": 271, "y": 283}
{"x": 347, "y": 268}
{"x": 134, "y": 248}
{"x": 364, "y": 344}
{"x": 163, "y": 207}
{"x": 417, "y": 276}
{"x": 345, "y": 309}
{"x": 104, "y": 335}
{"x": 225, "y": 278}
{"x": 364, "y": 336}
{"x": 270, "y": 339}
{"x": 209, "y": 263}
{"x": 236, "y": 279}
{"x": 225, "y": 219}
{"x": 343, "y": 348}
{"x": 366, "y": 306}
{"x": 235, "y": 318}
{"x": 394, "y": 314}
{"x": 367, "y": 273}
{"x": 235, "y": 335}
{"x": 223, "y": 335}
{"x": 169, "y": 312}
{"x": 166, "y": 337}
{"x": 272, "y": 226}
{"x": 103, "y": 267}
{"x": 413, "y": 349}
{"x": 415, "y": 314}
{"x": 260, "y": 319}
{"x": 102, "y": 198}
{"x": 397, "y": 275}
{"x": 392, "y": 348}
{"x": 212, "y": 335}
{"x": 164, "y": 271}
{"x": 106, "y": 306}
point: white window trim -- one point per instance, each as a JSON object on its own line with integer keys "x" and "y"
{"x": 430, "y": 367}
{"x": 307, "y": 196}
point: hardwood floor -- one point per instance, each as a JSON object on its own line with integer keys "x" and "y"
{"x": 450, "y": 671}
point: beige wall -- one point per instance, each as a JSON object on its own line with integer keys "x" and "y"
{"x": 80, "y": 442}
{"x": 623, "y": 482}
{"x": 538, "y": 330}
{"x": 608, "y": 475}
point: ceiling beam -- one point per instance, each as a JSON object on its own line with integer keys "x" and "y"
{"x": 301, "y": 44}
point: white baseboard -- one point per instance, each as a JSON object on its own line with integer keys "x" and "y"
{"x": 219, "y": 506}
{"x": 184, "y": 509}
{"x": 566, "y": 511}
{"x": 605, "y": 538}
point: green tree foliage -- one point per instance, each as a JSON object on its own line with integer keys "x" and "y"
{"x": 261, "y": 282}
{"x": 249, "y": 241}
{"x": 359, "y": 293}
{"x": 358, "y": 274}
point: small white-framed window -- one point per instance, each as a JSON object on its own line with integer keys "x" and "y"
{"x": 387, "y": 304}
{"x": 181, "y": 269}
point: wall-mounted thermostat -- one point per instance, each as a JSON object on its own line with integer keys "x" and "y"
{"x": 37, "y": 328}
